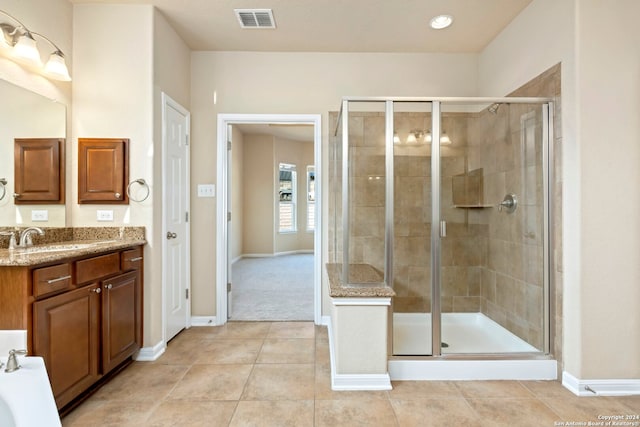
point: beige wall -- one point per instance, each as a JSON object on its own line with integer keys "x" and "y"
{"x": 284, "y": 83}
{"x": 594, "y": 42}
{"x": 608, "y": 132}
{"x": 257, "y": 177}
{"x": 259, "y": 195}
{"x": 123, "y": 101}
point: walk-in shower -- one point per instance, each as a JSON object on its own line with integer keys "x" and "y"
{"x": 446, "y": 200}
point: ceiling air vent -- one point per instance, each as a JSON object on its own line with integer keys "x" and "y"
{"x": 255, "y": 18}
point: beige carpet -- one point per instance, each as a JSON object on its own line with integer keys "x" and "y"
{"x": 275, "y": 288}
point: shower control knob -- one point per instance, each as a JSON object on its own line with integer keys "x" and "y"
{"x": 509, "y": 203}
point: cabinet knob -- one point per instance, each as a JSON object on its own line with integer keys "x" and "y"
{"x": 16, "y": 195}
{"x": 96, "y": 290}
{"x": 108, "y": 286}
{"x": 117, "y": 195}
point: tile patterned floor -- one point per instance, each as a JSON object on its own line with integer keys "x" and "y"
{"x": 278, "y": 374}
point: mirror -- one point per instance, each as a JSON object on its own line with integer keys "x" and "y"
{"x": 26, "y": 114}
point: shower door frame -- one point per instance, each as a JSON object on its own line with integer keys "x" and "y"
{"x": 547, "y": 107}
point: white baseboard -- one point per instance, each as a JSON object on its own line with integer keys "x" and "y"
{"x": 360, "y": 381}
{"x": 149, "y": 354}
{"x": 275, "y": 254}
{"x": 325, "y": 320}
{"x": 611, "y": 387}
{"x": 236, "y": 259}
{"x": 451, "y": 370}
{"x": 203, "y": 321}
{"x": 296, "y": 252}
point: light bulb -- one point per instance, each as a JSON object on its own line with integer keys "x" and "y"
{"x": 56, "y": 68}
{"x": 26, "y": 50}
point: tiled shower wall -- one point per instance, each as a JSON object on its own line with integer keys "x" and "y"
{"x": 492, "y": 262}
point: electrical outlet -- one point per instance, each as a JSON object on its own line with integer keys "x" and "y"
{"x": 104, "y": 215}
{"x": 206, "y": 190}
{"x": 40, "y": 215}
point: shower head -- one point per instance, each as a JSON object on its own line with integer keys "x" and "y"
{"x": 493, "y": 108}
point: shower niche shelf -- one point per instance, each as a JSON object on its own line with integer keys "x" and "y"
{"x": 472, "y": 206}
{"x": 468, "y": 190}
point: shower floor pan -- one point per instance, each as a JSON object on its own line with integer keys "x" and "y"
{"x": 463, "y": 333}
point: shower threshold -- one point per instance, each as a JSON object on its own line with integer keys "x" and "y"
{"x": 466, "y": 335}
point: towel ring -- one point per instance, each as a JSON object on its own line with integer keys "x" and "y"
{"x": 3, "y": 187}
{"x": 142, "y": 182}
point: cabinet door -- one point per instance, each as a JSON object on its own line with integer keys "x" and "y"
{"x": 103, "y": 170}
{"x": 39, "y": 171}
{"x": 121, "y": 319}
{"x": 67, "y": 336}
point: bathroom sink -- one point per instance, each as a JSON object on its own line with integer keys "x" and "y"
{"x": 6, "y": 416}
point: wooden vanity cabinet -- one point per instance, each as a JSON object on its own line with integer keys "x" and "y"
{"x": 67, "y": 336}
{"x": 82, "y": 315}
{"x": 121, "y": 319}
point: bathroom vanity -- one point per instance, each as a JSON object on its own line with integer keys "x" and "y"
{"x": 81, "y": 304}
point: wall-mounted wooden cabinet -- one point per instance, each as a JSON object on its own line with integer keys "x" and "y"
{"x": 103, "y": 170}
{"x": 39, "y": 171}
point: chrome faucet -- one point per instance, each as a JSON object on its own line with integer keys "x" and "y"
{"x": 12, "y": 362}
{"x": 25, "y": 236}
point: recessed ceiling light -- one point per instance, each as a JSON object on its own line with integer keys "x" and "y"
{"x": 441, "y": 21}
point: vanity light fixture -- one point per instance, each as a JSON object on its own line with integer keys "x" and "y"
{"x": 22, "y": 47}
{"x": 441, "y": 22}
{"x": 424, "y": 136}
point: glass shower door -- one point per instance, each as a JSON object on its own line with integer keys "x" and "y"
{"x": 412, "y": 316}
{"x": 492, "y": 180}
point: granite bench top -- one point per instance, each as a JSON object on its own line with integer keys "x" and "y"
{"x": 367, "y": 282}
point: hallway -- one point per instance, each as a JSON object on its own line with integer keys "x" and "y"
{"x": 273, "y": 288}
{"x": 278, "y": 374}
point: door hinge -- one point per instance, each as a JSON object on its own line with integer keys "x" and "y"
{"x": 186, "y": 140}
{"x": 187, "y": 293}
{"x": 228, "y": 216}
{"x": 229, "y": 287}
{"x": 228, "y": 145}
{"x": 443, "y": 228}
{"x": 186, "y": 217}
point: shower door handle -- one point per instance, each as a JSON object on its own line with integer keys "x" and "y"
{"x": 443, "y": 228}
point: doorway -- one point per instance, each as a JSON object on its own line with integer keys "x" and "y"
{"x": 225, "y": 223}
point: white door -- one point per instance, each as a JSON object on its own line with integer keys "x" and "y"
{"x": 176, "y": 280}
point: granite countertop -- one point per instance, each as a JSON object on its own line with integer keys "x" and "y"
{"x": 59, "y": 244}
{"x": 368, "y": 282}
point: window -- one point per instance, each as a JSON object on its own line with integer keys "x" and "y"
{"x": 287, "y": 194}
{"x": 311, "y": 198}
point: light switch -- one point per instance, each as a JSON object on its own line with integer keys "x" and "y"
{"x": 104, "y": 215}
{"x": 40, "y": 215}
{"x": 206, "y": 190}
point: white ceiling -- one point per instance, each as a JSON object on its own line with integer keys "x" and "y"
{"x": 338, "y": 25}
